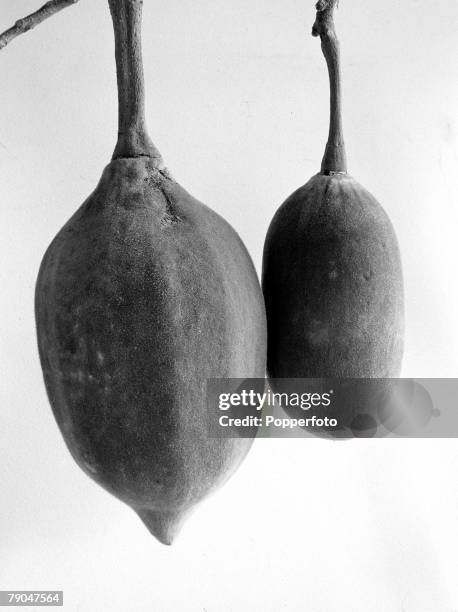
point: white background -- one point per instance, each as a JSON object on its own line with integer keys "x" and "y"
{"x": 238, "y": 105}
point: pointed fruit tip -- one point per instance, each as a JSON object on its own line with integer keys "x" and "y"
{"x": 162, "y": 524}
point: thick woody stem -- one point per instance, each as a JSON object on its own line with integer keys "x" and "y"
{"x": 28, "y": 23}
{"x": 133, "y": 139}
{"x": 334, "y": 160}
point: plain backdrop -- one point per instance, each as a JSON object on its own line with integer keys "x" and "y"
{"x": 237, "y": 102}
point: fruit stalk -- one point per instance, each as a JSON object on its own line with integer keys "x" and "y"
{"x": 133, "y": 138}
{"x": 334, "y": 160}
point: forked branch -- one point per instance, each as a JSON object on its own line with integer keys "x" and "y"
{"x": 28, "y": 23}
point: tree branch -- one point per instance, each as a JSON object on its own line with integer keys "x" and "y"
{"x": 28, "y": 23}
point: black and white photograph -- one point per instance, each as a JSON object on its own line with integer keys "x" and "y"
{"x": 229, "y": 330}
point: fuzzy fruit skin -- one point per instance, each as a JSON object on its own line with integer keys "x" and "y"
{"x": 143, "y": 295}
{"x": 332, "y": 283}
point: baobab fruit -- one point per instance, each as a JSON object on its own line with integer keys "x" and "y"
{"x": 142, "y": 296}
{"x": 332, "y": 277}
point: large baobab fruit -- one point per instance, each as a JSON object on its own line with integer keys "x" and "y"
{"x": 142, "y": 296}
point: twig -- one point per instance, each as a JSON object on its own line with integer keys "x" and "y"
{"x": 324, "y": 17}
{"x": 27, "y": 23}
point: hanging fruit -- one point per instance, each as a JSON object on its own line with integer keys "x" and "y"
{"x": 142, "y": 296}
{"x": 332, "y": 277}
